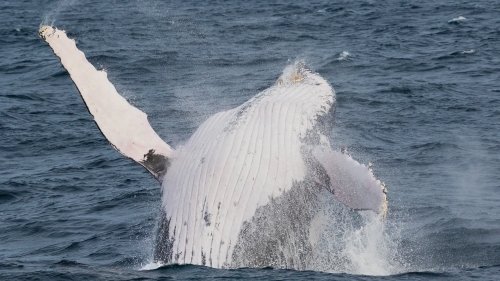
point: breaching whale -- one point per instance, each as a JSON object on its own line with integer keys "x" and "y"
{"x": 268, "y": 156}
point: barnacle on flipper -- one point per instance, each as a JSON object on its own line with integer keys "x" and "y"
{"x": 42, "y": 30}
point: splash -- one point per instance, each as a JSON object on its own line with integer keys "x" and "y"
{"x": 306, "y": 230}
{"x": 152, "y": 266}
{"x": 292, "y": 73}
{"x": 355, "y": 242}
{"x": 50, "y": 17}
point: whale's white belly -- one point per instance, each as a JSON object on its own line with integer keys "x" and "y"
{"x": 236, "y": 162}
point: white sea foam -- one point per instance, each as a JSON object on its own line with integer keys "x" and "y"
{"x": 354, "y": 242}
{"x": 369, "y": 248}
{"x": 460, "y": 18}
{"x": 152, "y": 266}
{"x": 471, "y": 51}
{"x": 344, "y": 55}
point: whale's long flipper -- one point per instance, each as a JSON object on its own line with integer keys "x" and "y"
{"x": 125, "y": 126}
{"x": 352, "y": 183}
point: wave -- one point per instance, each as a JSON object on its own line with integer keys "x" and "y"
{"x": 344, "y": 56}
{"x": 455, "y": 20}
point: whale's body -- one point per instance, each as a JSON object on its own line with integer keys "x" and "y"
{"x": 267, "y": 156}
{"x": 237, "y": 161}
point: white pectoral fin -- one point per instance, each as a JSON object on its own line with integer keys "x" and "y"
{"x": 125, "y": 126}
{"x": 352, "y": 183}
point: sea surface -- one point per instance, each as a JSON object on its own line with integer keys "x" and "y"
{"x": 418, "y": 95}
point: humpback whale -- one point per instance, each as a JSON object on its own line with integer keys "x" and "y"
{"x": 261, "y": 165}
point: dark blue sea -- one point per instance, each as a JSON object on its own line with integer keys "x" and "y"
{"x": 418, "y": 95}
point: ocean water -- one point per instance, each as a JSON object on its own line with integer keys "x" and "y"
{"x": 418, "y": 95}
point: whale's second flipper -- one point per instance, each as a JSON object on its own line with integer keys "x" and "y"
{"x": 125, "y": 127}
{"x": 351, "y": 182}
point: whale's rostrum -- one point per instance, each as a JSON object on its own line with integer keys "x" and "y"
{"x": 260, "y": 165}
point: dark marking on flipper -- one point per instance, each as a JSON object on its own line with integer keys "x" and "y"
{"x": 156, "y": 163}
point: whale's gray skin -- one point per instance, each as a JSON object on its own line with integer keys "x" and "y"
{"x": 259, "y": 166}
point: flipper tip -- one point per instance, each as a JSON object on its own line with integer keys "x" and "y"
{"x": 44, "y": 30}
{"x": 352, "y": 183}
